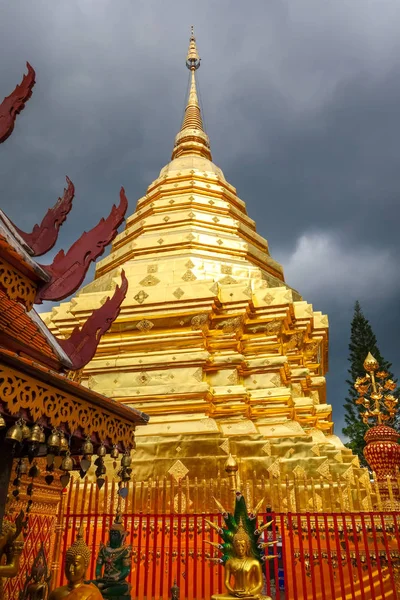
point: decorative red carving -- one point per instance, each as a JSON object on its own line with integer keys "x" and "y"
{"x": 14, "y": 103}
{"x": 82, "y": 344}
{"x": 44, "y": 236}
{"x": 68, "y": 270}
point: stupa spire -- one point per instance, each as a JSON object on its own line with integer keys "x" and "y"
{"x": 192, "y": 139}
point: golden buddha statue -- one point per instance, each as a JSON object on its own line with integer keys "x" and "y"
{"x": 243, "y": 573}
{"x": 11, "y": 546}
{"x": 243, "y": 552}
{"x": 76, "y": 563}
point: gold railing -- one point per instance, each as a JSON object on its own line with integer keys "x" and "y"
{"x": 192, "y": 495}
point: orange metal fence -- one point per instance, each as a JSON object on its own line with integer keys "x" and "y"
{"x": 321, "y": 555}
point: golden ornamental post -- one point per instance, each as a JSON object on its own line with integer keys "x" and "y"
{"x": 382, "y": 450}
{"x": 231, "y": 468}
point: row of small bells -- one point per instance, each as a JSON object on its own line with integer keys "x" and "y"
{"x": 58, "y": 447}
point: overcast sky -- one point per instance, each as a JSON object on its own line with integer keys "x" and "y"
{"x": 301, "y": 101}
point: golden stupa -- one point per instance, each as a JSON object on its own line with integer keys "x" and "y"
{"x": 211, "y": 341}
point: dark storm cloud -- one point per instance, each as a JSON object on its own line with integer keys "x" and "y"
{"x": 301, "y": 103}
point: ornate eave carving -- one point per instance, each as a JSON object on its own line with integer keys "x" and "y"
{"x": 38, "y": 393}
{"x": 16, "y": 285}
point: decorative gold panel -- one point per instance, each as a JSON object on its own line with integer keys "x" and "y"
{"x": 15, "y": 285}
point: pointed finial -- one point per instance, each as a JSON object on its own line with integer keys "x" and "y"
{"x": 193, "y": 58}
{"x": 192, "y": 139}
{"x": 370, "y": 363}
{"x": 231, "y": 465}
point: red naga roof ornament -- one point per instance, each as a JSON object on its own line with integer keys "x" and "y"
{"x": 43, "y": 237}
{"x": 83, "y": 341}
{"x": 14, "y": 103}
{"x": 68, "y": 270}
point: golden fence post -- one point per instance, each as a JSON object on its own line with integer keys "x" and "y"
{"x": 350, "y": 495}
{"x": 280, "y": 498}
{"x": 390, "y": 488}
{"x": 369, "y": 496}
{"x": 340, "y": 493}
{"x": 171, "y": 495}
{"x": 59, "y": 530}
{"x": 149, "y": 494}
{"x": 296, "y": 493}
{"x": 314, "y": 497}
{"x": 288, "y": 495}
{"x": 306, "y": 497}
{"x": 156, "y": 495}
{"x": 179, "y": 503}
{"x": 196, "y": 496}
{"x": 249, "y": 502}
{"x": 254, "y": 488}
{"x": 84, "y": 495}
{"x": 377, "y": 491}
{"x": 360, "y": 507}
{"x": 332, "y": 496}
{"x": 263, "y": 489}
{"x": 322, "y": 488}
{"x": 187, "y": 510}
{"x": 204, "y": 494}
{"x": 164, "y": 496}
{"x": 238, "y": 480}
{"x": 141, "y": 496}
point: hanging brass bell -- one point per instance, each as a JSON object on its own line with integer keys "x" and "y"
{"x": 114, "y": 452}
{"x": 42, "y": 439}
{"x": 26, "y": 432}
{"x": 67, "y": 463}
{"x": 87, "y": 448}
{"x": 64, "y": 446}
{"x": 34, "y": 437}
{"x": 3, "y": 424}
{"x": 126, "y": 460}
{"x": 14, "y": 434}
{"x": 101, "y": 450}
{"x": 53, "y": 441}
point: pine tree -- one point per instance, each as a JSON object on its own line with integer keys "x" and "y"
{"x": 362, "y": 341}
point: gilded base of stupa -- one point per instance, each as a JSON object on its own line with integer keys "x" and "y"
{"x": 204, "y": 456}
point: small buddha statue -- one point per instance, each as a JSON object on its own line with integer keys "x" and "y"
{"x": 243, "y": 551}
{"x": 37, "y": 583}
{"x": 11, "y": 546}
{"x": 113, "y": 564}
{"x": 175, "y": 591}
{"x": 76, "y": 563}
{"x": 243, "y": 572}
